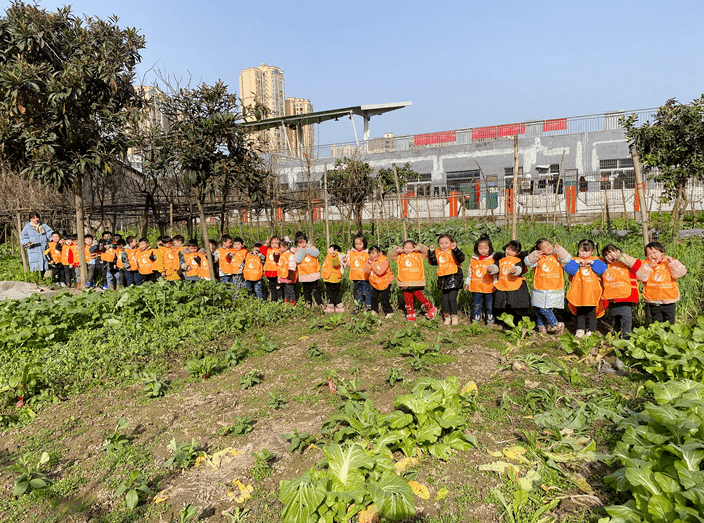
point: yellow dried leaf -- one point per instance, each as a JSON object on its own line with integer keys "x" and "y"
{"x": 370, "y": 515}
{"x": 405, "y": 464}
{"x": 469, "y": 388}
{"x": 159, "y": 499}
{"x": 516, "y": 453}
{"x": 239, "y": 492}
{"x": 499, "y": 466}
{"x": 303, "y": 338}
{"x": 442, "y": 494}
{"x": 419, "y": 490}
{"x": 497, "y": 454}
{"x": 580, "y": 482}
{"x": 214, "y": 461}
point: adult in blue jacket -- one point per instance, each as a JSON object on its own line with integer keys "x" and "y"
{"x": 35, "y": 237}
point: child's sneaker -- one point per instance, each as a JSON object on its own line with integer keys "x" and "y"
{"x": 432, "y": 313}
{"x": 455, "y": 320}
{"x": 559, "y": 329}
{"x": 587, "y": 334}
{"x": 340, "y": 308}
{"x": 374, "y": 313}
{"x": 330, "y": 308}
{"x": 490, "y": 324}
{"x": 542, "y": 330}
{"x": 579, "y": 333}
{"x": 411, "y": 317}
{"x": 389, "y": 315}
{"x": 446, "y": 318}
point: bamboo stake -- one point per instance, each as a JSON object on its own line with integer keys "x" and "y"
{"x": 557, "y": 191}
{"x": 398, "y": 196}
{"x": 640, "y": 191}
{"x": 418, "y": 214}
{"x": 325, "y": 193}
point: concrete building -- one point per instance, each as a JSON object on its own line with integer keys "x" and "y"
{"x": 265, "y": 84}
{"x": 382, "y": 145}
{"x": 293, "y": 107}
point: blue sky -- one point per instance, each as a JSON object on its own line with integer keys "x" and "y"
{"x": 462, "y": 64}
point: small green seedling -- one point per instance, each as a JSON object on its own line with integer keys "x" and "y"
{"x": 235, "y": 354}
{"x": 188, "y": 513}
{"x": 250, "y": 379}
{"x": 242, "y": 426}
{"x": 298, "y": 440}
{"x": 265, "y": 344}
{"x": 395, "y": 376}
{"x": 238, "y": 515}
{"x": 184, "y": 454}
{"x": 202, "y": 368}
{"x": 118, "y": 439}
{"x": 314, "y": 352}
{"x": 262, "y": 467}
{"x": 275, "y": 402}
{"x": 134, "y": 488}
{"x": 31, "y": 476}
{"x": 154, "y": 385}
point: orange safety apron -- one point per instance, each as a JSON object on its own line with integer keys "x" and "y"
{"x": 252, "y": 268}
{"x": 132, "y": 256}
{"x": 308, "y": 266}
{"x": 410, "y": 267}
{"x": 282, "y": 269}
{"x": 357, "y": 261}
{"x": 270, "y": 264}
{"x": 327, "y": 270}
{"x": 228, "y": 267}
{"x": 506, "y": 280}
{"x": 585, "y": 290}
{"x": 54, "y": 253}
{"x": 661, "y": 286}
{"x": 617, "y": 281}
{"x": 65, "y": 249}
{"x": 446, "y": 263}
{"x": 481, "y": 281}
{"x": 145, "y": 264}
{"x": 171, "y": 263}
{"x": 548, "y": 274}
{"x": 381, "y": 282}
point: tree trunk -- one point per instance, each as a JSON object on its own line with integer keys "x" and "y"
{"x": 78, "y": 192}
{"x": 206, "y": 240}
{"x": 23, "y": 254}
{"x": 400, "y": 205}
{"x": 640, "y": 192}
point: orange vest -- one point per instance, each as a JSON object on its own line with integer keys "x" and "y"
{"x": 146, "y": 265}
{"x": 132, "y": 255}
{"x": 170, "y": 260}
{"x": 506, "y": 280}
{"x": 357, "y": 261}
{"x": 328, "y": 269}
{"x": 88, "y": 254}
{"x": 381, "y": 282}
{"x": 282, "y": 267}
{"x": 410, "y": 267}
{"x": 118, "y": 256}
{"x": 228, "y": 267}
{"x": 481, "y": 281}
{"x": 585, "y": 288}
{"x": 309, "y": 265}
{"x": 270, "y": 264}
{"x": 548, "y": 274}
{"x": 201, "y": 270}
{"x": 65, "y": 249}
{"x": 252, "y": 268}
{"x": 661, "y": 285}
{"x": 617, "y": 281}
{"x": 446, "y": 263}
{"x": 108, "y": 256}
{"x": 55, "y": 254}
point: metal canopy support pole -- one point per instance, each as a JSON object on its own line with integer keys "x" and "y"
{"x": 354, "y": 128}
{"x": 299, "y": 133}
{"x": 290, "y": 150}
{"x": 366, "y": 132}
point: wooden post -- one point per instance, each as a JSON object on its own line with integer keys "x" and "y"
{"x": 418, "y": 215}
{"x": 19, "y": 242}
{"x": 557, "y": 191}
{"x": 635, "y": 156}
{"x": 171, "y": 219}
{"x": 325, "y": 194}
{"x": 514, "y": 211}
{"x": 608, "y": 214}
{"x": 400, "y": 205}
{"x": 488, "y": 196}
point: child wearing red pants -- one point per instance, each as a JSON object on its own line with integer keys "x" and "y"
{"x": 411, "y": 277}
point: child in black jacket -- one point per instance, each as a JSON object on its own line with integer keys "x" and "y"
{"x": 448, "y": 259}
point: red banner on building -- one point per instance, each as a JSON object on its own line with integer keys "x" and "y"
{"x": 555, "y": 125}
{"x": 498, "y": 131}
{"x": 433, "y": 138}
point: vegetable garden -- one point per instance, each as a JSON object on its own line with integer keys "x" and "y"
{"x": 184, "y": 402}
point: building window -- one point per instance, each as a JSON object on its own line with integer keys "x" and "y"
{"x": 508, "y": 171}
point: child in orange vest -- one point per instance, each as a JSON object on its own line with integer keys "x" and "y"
{"x": 308, "y": 270}
{"x": 585, "y": 291}
{"x": 270, "y": 249}
{"x": 53, "y": 255}
{"x": 194, "y": 262}
{"x": 660, "y": 273}
{"x": 332, "y": 276}
{"x": 620, "y": 288}
{"x": 511, "y": 294}
{"x": 355, "y": 260}
{"x": 149, "y": 262}
{"x": 449, "y": 259}
{"x": 411, "y": 277}
{"x": 380, "y": 278}
{"x": 69, "y": 254}
{"x": 480, "y": 280}
{"x": 252, "y": 271}
{"x": 548, "y": 284}
{"x": 129, "y": 261}
{"x": 286, "y": 271}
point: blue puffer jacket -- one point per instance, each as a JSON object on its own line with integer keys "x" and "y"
{"x": 39, "y": 242}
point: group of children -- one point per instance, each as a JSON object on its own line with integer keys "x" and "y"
{"x": 498, "y": 284}
{"x": 495, "y": 279}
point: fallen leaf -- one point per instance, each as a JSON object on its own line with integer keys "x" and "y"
{"x": 406, "y": 463}
{"x": 370, "y": 515}
{"x": 442, "y": 494}
{"x": 469, "y": 388}
{"x": 519, "y": 366}
{"x": 498, "y": 466}
{"x": 419, "y": 490}
{"x": 214, "y": 461}
{"x": 239, "y": 492}
{"x": 303, "y": 338}
{"x": 496, "y": 454}
{"x": 160, "y": 499}
{"x": 531, "y": 385}
{"x": 529, "y": 480}
{"x": 516, "y": 453}
{"x": 580, "y": 482}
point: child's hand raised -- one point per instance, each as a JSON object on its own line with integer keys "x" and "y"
{"x": 453, "y": 245}
{"x": 431, "y": 248}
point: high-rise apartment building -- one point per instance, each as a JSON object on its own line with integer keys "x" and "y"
{"x": 296, "y": 106}
{"x": 266, "y": 84}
